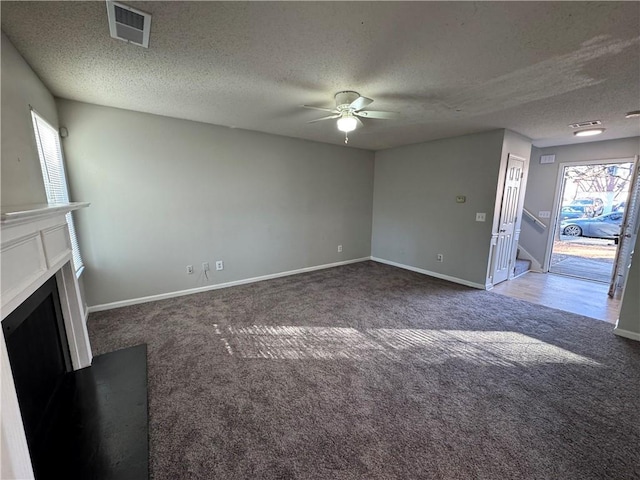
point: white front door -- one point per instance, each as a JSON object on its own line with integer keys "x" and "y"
{"x": 628, "y": 233}
{"x": 505, "y": 250}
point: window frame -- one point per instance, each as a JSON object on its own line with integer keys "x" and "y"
{"x": 61, "y": 186}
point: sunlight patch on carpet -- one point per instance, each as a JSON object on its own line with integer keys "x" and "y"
{"x": 481, "y": 347}
{"x": 298, "y": 343}
{"x": 490, "y": 348}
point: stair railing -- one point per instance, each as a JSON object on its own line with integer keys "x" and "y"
{"x": 534, "y": 218}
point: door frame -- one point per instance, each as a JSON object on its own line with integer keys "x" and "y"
{"x": 628, "y": 234}
{"x": 553, "y": 225}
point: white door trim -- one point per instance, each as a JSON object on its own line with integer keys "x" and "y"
{"x": 628, "y": 235}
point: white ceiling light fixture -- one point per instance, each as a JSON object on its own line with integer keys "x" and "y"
{"x": 589, "y": 132}
{"x": 349, "y": 107}
{"x": 634, "y": 114}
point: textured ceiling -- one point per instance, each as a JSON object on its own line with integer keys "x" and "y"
{"x": 449, "y": 68}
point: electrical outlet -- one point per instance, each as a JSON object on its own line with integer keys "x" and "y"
{"x": 205, "y": 266}
{"x": 189, "y": 269}
{"x": 339, "y": 248}
{"x": 219, "y": 265}
{"x": 481, "y": 217}
{"x": 440, "y": 257}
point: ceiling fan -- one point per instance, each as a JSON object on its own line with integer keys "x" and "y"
{"x": 349, "y": 107}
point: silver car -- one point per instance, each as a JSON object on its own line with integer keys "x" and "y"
{"x": 602, "y": 226}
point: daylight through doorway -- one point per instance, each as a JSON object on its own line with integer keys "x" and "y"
{"x": 591, "y": 211}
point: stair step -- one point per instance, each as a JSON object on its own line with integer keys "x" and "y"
{"x": 522, "y": 266}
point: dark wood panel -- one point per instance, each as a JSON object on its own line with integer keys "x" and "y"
{"x": 100, "y": 427}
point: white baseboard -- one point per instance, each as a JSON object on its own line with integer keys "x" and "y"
{"x": 180, "y": 293}
{"x": 535, "y": 265}
{"x": 627, "y": 334}
{"x": 431, "y": 274}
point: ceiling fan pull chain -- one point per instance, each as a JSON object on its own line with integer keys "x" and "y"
{"x": 346, "y": 137}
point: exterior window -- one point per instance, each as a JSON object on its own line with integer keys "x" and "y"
{"x": 53, "y": 174}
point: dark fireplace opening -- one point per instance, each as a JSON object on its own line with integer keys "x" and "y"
{"x": 39, "y": 357}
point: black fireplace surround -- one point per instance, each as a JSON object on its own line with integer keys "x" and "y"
{"x": 85, "y": 424}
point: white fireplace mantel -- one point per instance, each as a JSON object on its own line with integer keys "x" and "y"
{"x": 34, "y": 246}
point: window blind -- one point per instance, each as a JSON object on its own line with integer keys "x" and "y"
{"x": 53, "y": 174}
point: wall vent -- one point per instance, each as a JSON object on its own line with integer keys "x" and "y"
{"x": 590, "y": 123}
{"x": 128, "y": 24}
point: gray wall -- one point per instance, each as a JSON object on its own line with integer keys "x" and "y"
{"x": 415, "y": 214}
{"x": 543, "y": 178}
{"x": 21, "y": 175}
{"x": 166, "y": 193}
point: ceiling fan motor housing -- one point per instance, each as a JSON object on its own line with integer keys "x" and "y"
{"x": 345, "y": 98}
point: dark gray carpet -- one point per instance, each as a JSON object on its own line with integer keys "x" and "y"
{"x": 371, "y": 372}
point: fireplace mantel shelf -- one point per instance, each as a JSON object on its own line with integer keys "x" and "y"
{"x": 24, "y": 213}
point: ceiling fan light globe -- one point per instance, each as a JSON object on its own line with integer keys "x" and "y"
{"x": 347, "y": 124}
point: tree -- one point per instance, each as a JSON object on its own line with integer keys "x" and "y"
{"x": 612, "y": 180}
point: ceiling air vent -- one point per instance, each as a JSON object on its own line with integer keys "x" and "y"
{"x": 128, "y": 24}
{"x": 590, "y": 123}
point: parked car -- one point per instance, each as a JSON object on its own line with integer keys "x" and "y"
{"x": 602, "y": 226}
{"x": 584, "y": 201}
{"x": 572, "y": 211}
{"x": 592, "y": 206}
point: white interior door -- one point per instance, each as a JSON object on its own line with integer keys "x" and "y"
{"x": 628, "y": 234}
{"x": 505, "y": 249}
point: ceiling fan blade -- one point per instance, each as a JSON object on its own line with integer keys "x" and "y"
{"x": 376, "y": 114}
{"x": 324, "y": 118}
{"x": 324, "y": 109}
{"x": 360, "y": 103}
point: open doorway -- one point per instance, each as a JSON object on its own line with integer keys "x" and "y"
{"x": 592, "y": 200}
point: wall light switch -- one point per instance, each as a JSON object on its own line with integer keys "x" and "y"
{"x": 481, "y": 217}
